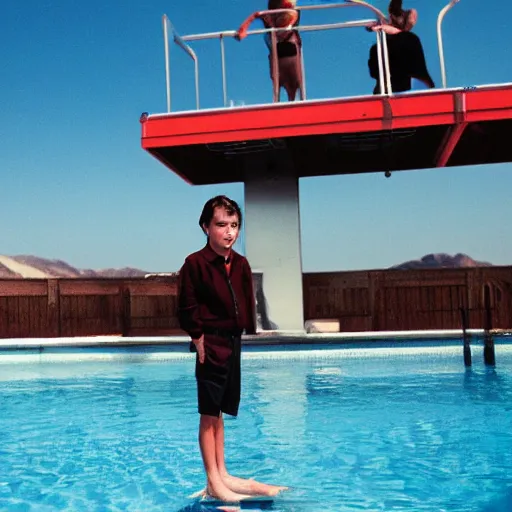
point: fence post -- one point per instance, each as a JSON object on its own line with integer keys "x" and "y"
{"x": 373, "y": 296}
{"x": 126, "y": 310}
{"x": 53, "y": 326}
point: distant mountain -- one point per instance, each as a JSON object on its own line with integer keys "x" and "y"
{"x": 19, "y": 267}
{"x": 442, "y": 260}
{"x": 7, "y": 272}
{"x": 33, "y": 267}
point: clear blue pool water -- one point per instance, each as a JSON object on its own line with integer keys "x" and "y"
{"x": 348, "y": 430}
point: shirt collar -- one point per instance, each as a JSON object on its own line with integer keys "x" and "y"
{"x": 211, "y": 256}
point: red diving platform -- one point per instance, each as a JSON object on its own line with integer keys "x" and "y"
{"x": 420, "y": 130}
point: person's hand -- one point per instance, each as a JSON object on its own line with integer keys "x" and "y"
{"x": 388, "y": 29}
{"x": 199, "y": 343}
{"x": 241, "y": 34}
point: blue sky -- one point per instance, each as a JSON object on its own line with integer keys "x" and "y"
{"x": 76, "y": 185}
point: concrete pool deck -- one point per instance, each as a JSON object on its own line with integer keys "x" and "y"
{"x": 263, "y": 338}
{"x": 18, "y": 354}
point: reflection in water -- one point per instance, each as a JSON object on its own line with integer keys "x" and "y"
{"x": 282, "y": 402}
{"x": 487, "y": 384}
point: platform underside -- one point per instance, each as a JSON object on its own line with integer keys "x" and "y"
{"x": 341, "y": 136}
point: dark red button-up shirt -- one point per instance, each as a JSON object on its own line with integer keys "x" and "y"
{"x": 205, "y": 298}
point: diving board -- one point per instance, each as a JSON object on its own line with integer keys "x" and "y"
{"x": 419, "y": 130}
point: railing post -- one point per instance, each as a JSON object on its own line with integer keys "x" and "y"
{"x": 126, "y": 310}
{"x": 166, "y": 22}
{"x": 223, "y": 61}
{"x": 440, "y": 18}
{"x": 302, "y": 76}
{"x": 382, "y": 86}
{"x": 181, "y": 42}
{"x": 489, "y": 354}
{"x": 387, "y": 71}
{"x": 53, "y": 308}
{"x": 196, "y": 70}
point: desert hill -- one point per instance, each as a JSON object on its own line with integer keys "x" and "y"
{"x": 34, "y": 267}
{"x": 442, "y": 260}
{"x": 26, "y": 267}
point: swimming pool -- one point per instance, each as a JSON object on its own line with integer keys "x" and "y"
{"x": 348, "y": 428}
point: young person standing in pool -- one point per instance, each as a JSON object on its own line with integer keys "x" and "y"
{"x": 216, "y": 305}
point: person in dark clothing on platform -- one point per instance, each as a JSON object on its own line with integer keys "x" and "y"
{"x": 288, "y": 46}
{"x": 406, "y": 56}
{"x": 216, "y": 305}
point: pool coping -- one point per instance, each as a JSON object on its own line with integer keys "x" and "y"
{"x": 263, "y": 338}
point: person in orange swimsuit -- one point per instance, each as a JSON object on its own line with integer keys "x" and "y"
{"x": 288, "y": 48}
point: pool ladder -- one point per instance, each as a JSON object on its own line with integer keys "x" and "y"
{"x": 489, "y": 351}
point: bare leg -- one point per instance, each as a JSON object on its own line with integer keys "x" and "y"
{"x": 207, "y": 442}
{"x": 290, "y": 75}
{"x": 291, "y": 91}
{"x": 275, "y": 77}
{"x": 239, "y": 485}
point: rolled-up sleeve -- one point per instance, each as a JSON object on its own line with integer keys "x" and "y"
{"x": 249, "y": 299}
{"x": 188, "y": 307}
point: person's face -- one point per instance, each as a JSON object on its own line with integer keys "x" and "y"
{"x": 223, "y": 230}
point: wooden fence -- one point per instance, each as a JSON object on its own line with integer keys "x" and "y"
{"x": 399, "y": 300}
{"x": 38, "y": 308}
{"x": 361, "y": 301}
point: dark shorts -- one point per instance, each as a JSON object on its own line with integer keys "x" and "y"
{"x": 219, "y": 377}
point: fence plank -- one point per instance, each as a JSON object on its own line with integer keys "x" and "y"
{"x": 361, "y": 301}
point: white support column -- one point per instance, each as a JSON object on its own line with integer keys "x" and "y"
{"x": 272, "y": 242}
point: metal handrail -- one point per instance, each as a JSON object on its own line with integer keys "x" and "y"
{"x": 361, "y": 3}
{"x": 310, "y": 28}
{"x": 166, "y": 24}
{"x": 387, "y": 73}
{"x": 379, "y": 60}
{"x": 440, "y": 18}
{"x": 383, "y": 57}
{"x": 182, "y": 42}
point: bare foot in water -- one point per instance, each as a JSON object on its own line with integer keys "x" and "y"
{"x": 252, "y": 487}
{"x": 223, "y": 493}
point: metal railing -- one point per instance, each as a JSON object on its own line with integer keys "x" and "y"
{"x": 440, "y": 18}
{"x": 382, "y": 50}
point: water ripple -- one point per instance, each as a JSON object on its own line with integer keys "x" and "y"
{"x": 346, "y": 434}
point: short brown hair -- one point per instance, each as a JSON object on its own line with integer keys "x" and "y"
{"x": 395, "y": 7}
{"x": 219, "y": 202}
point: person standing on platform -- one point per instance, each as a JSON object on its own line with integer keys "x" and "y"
{"x": 406, "y": 56}
{"x": 288, "y": 46}
{"x": 216, "y": 305}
